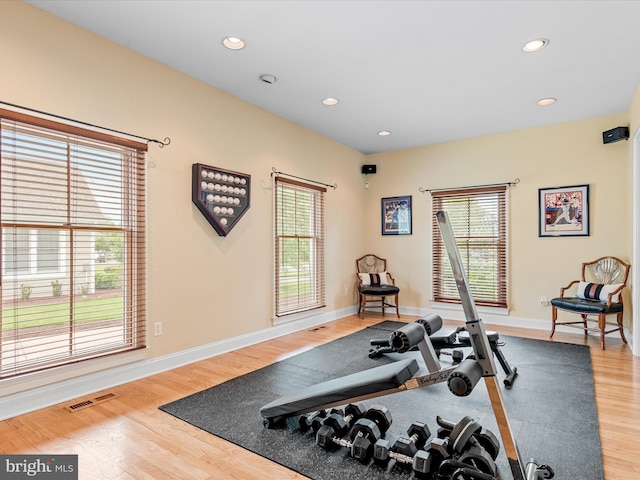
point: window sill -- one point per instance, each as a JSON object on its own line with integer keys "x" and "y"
{"x": 458, "y": 308}
{"x": 43, "y": 378}
{"x": 293, "y": 317}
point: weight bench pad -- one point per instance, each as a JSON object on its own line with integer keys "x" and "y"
{"x": 443, "y": 340}
{"x": 370, "y": 381}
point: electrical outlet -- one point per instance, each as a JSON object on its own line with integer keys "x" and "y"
{"x": 157, "y": 329}
{"x": 544, "y": 301}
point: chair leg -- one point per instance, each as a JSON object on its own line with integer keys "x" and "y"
{"x": 554, "y": 317}
{"x": 363, "y": 302}
{"x": 602, "y": 323}
{"x": 397, "y": 308}
{"x": 584, "y": 322}
{"x": 382, "y": 304}
{"x": 619, "y": 319}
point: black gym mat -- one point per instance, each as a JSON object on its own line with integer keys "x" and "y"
{"x": 551, "y": 408}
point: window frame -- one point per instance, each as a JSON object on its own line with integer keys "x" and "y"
{"x": 130, "y": 180}
{"x": 475, "y": 240}
{"x": 302, "y": 302}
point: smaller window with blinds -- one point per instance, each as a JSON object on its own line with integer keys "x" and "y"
{"x": 478, "y": 218}
{"x": 299, "y": 246}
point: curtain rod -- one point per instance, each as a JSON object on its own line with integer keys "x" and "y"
{"x": 161, "y": 144}
{"x": 515, "y": 182}
{"x": 275, "y": 172}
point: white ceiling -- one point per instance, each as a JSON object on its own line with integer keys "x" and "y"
{"x": 428, "y": 71}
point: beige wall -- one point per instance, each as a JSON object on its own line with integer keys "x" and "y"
{"x": 552, "y": 156}
{"x": 202, "y": 287}
{"x": 205, "y": 288}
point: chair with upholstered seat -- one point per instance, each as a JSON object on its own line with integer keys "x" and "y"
{"x": 375, "y": 284}
{"x": 598, "y": 293}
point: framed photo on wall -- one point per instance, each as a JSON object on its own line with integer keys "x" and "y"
{"x": 563, "y": 211}
{"x": 396, "y": 216}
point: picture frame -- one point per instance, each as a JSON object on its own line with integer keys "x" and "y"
{"x": 563, "y": 211}
{"x": 397, "y": 215}
{"x": 221, "y": 195}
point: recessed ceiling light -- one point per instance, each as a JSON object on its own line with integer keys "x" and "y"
{"x": 535, "y": 45}
{"x": 268, "y": 78}
{"x": 330, "y": 101}
{"x": 384, "y": 133}
{"x": 546, "y": 101}
{"x": 233, "y": 43}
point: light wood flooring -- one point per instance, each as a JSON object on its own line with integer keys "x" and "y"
{"x": 129, "y": 438}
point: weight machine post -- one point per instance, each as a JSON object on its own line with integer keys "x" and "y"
{"x": 481, "y": 347}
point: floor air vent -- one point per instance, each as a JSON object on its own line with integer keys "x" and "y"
{"x": 74, "y": 407}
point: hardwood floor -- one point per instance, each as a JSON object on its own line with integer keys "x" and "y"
{"x": 129, "y": 438}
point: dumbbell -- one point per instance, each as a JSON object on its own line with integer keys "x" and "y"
{"x": 311, "y": 420}
{"x": 418, "y": 435}
{"x": 438, "y": 448}
{"x": 456, "y": 355}
{"x": 340, "y": 423}
{"x": 362, "y": 436}
{"x": 364, "y": 433}
{"x": 420, "y": 462}
{"x": 381, "y": 416}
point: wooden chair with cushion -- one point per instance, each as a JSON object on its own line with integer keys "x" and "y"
{"x": 597, "y": 293}
{"x": 375, "y": 281}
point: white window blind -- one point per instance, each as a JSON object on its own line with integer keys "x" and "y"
{"x": 73, "y": 244}
{"x": 479, "y": 221}
{"x": 299, "y": 246}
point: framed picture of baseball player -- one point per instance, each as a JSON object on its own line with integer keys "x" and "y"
{"x": 563, "y": 211}
{"x": 396, "y": 216}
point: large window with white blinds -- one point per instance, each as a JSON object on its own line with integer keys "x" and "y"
{"x": 478, "y": 218}
{"x": 299, "y": 246}
{"x": 72, "y": 244}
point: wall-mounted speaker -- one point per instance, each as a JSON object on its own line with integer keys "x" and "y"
{"x": 368, "y": 169}
{"x": 615, "y": 135}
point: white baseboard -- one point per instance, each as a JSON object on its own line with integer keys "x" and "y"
{"x": 455, "y": 313}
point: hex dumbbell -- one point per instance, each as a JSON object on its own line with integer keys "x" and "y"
{"x": 439, "y": 449}
{"x": 381, "y": 416}
{"x": 418, "y": 435}
{"x": 362, "y": 436}
{"x": 421, "y": 462}
{"x": 456, "y": 355}
{"x": 340, "y": 423}
{"x": 311, "y": 420}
